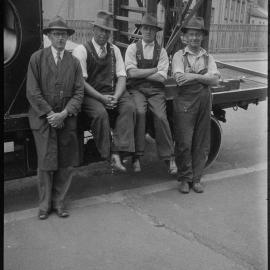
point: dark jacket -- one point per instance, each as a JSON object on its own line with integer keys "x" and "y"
{"x": 50, "y": 88}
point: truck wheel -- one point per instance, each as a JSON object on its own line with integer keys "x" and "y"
{"x": 215, "y": 142}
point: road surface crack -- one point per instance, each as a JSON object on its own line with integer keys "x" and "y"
{"x": 131, "y": 201}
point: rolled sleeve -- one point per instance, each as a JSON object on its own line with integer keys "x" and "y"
{"x": 130, "y": 57}
{"x": 81, "y": 54}
{"x": 212, "y": 66}
{"x": 120, "y": 69}
{"x": 163, "y": 64}
{"x": 177, "y": 63}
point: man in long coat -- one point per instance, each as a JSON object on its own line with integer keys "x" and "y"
{"x": 55, "y": 93}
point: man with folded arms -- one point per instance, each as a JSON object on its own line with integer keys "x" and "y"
{"x": 147, "y": 66}
{"x": 195, "y": 71}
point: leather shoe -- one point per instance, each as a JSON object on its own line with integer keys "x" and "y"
{"x": 61, "y": 212}
{"x": 136, "y": 165}
{"x": 184, "y": 187}
{"x": 42, "y": 214}
{"x": 197, "y": 187}
{"x": 116, "y": 163}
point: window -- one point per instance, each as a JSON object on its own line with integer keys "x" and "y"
{"x": 226, "y": 13}
{"x": 212, "y": 15}
{"x": 242, "y": 16}
{"x": 232, "y": 10}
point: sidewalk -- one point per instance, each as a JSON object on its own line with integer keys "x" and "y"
{"x": 150, "y": 228}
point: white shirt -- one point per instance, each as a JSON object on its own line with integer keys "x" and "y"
{"x": 54, "y": 52}
{"x": 81, "y": 53}
{"x": 196, "y": 62}
{"x": 148, "y": 50}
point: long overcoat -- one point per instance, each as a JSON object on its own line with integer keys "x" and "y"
{"x": 52, "y": 88}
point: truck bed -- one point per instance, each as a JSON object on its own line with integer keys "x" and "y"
{"x": 238, "y": 87}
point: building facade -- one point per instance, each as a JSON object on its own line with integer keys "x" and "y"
{"x": 223, "y": 11}
{"x": 73, "y": 9}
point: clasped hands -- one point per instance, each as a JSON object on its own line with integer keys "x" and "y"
{"x": 56, "y": 120}
{"x": 109, "y": 101}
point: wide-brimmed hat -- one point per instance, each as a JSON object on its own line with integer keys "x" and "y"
{"x": 58, "y": 23}
{"x": 105, "y": 20}
{"x": 150, "y": 20}
{"x": 196, "y": 23}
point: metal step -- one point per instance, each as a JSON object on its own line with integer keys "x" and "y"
{"x": 134, "y": 9}
{"x": 126, "y": 19}
{"x": 121, "y": 44}
{"x": 130, "y": 34}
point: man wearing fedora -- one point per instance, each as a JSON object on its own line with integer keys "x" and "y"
{"x": 105, "y": 92}
{"x": 147, "y": 66}
{"x": 195, "y": 71}
{"x": 55, "y": 91}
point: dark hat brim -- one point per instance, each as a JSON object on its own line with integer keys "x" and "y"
{"x": 104, "y": 27}
{"x": 138, "y": 25}
{"x": 48, "y": 29}
{"x": 184, "y": 30}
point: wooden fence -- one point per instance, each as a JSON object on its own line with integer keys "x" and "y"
{"x": 222, "y": 37}
{"x": 238, "y": 38}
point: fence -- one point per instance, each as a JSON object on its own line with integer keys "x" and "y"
{"x": 237, "y": 38}
{"x": 222, "y": 37}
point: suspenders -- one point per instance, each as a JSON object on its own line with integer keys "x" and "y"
{"x": 139, "y": 53}
{"x": 113, "y": 61}
{"x": 187, "y": 64}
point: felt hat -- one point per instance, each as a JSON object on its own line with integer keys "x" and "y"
{"x": 150, "y": 20}
{"x": 195, "y": 23}
{"x": 105, "y": 20}
{"x": 58, "y": 23}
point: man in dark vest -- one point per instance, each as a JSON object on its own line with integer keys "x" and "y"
{"x": 194, "y": 71}
{"x": 105, "y": 92}
{"x": 54, "y": 90}
{"x": 147, "y": 66}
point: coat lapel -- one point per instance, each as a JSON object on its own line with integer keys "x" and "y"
{"x": 51, "y": 62}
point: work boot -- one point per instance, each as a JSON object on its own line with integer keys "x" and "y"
{"x": 136, "y": 165}
{"x": 197, "y": 187}
{"x": 117, "y": 164}
{"x": 184, "y": 187}
{"x": 172, "y": 168}
{"x": 42, "y": 214}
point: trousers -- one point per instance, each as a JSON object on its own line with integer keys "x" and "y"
{"x": 53, "y": 187}
{"x": 154, "y": 100}
{"x": 122, "y": 139}
{"x": 192, "y": 122}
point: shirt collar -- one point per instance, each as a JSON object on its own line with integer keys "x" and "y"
{"x": 151, "y": 44}
{"x": 54, "y": 52}
{"x": 202, "y": 52}
{"x": 97, "y": 46}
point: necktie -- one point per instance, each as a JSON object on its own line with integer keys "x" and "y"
{"x": 58, "y": 58}
{"x": 103, "y": 52}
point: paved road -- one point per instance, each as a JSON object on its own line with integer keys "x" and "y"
{"x": 257, "y": 61}
{"x": 150, "y": 228}
{"x": 141, "y": 221}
